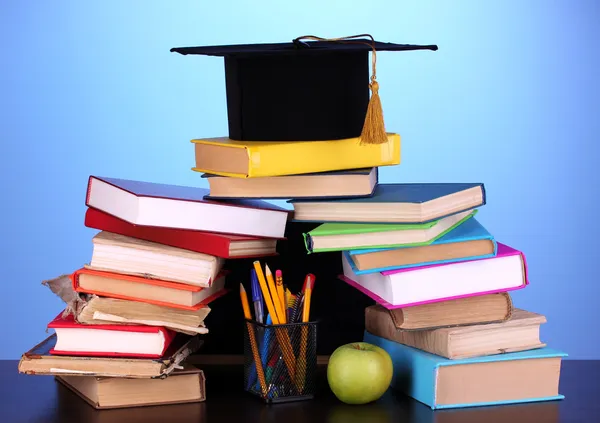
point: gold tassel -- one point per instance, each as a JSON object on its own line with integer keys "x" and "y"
{"x": 373, "y": 131}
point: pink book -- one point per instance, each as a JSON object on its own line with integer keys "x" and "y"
{"x": 507, "y": 271}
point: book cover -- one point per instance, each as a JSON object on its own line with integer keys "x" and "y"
{"x": 469, "y": 230}
{"x": 302, "y": 157}
{"x": 416, "y": 371}
{"x": 215, "y": 244}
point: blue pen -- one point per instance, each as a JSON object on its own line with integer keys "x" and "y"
{"x": 256, "y": 297}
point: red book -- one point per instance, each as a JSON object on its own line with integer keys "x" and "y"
{"x": 180, "y": 207}
{"x": 73, "y": 338}
{"x": 219, "y": 245}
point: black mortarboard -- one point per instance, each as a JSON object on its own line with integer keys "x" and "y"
{"x": 303, "y": 90}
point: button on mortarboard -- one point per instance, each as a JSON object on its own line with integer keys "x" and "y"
{"x": 298, "y": 91}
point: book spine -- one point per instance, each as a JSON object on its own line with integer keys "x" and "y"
{"x": 415, "y": 372}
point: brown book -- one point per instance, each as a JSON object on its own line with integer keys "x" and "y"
{"x": 351, "y": 183}
{"x": 182, "y": 386}
{"x": 39, "y": 361}
{"x": 491, "y": 308}
{"x": 521, "y": 332}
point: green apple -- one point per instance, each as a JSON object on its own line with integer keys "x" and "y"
{"x": 359, "y": 373}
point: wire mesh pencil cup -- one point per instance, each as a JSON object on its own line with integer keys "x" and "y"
{"x": 287, "y": 361}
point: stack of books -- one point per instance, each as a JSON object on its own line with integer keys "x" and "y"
{"x": 441, "y": 283}
{"x": 136, "y": 311}
{"x": 302, "y": 127}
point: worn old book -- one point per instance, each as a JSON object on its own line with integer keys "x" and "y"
{"x": 182, "y": 386}
{"x": 491, "y": 308}
{"x": 39, "y": 361}
{"x": 215, "y": 244}
{"x": 334, "y": 184}
{"x": 520, "y": 332}
{"x": 122, "y": 254}
{"x": 395, "y": 203}
{"x": 97, "y": 310}
{"x": 239, "y": 159}
{"x": 108, "y": 340}
{"x": 413, "y": 286}
{"x": 372, "y": 237}
{"x": 514, "y": 377}
{"x": 182, "y": 207}
{"x": 467, "y": 241}
{"x": 153, "y": 291}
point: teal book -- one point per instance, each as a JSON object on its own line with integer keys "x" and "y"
{"x": 510, "y": 378}
{"x": 466, "y": 241}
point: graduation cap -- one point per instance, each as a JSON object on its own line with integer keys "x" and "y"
{"x": 306, "y": 90}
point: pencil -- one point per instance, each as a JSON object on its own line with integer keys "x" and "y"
{"x": 301, "y": 364}
{"x": 280, "y": 291}
{"x": 282, "y": 337}
{"x": 275, "y": 296}
{"x": 257, "y": 361}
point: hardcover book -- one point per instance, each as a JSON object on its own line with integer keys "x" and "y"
{"x": 357, "y": 236}
{"x": 239, "y": 159}
{"x": 334, "y": 184}
{"x": 481, "y": 309}
{"x": 440, "y": 282}
{"x": 520, "y": 332}
{"x": 132, "y": 256}
{"x": 518, "y": 377}
{"x": 141, "y": 341}
{"x": 215, "y": 244}
{"x": 395, "y": 203}
{"x": 468, "y": 240}
{"x": 173, "y": 206}
{"x": 39, "y": 361}
{"x": 184, "y": 385}
{"x": 153, "y": 291}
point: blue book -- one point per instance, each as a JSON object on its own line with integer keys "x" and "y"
{"x": 518, "y": 377}
{"x": 470, "y": 231}
{"x": 395, "y": 203}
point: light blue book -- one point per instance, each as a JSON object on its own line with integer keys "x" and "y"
{"x": 470, "y": 230}
{"x": 489, "y": 380}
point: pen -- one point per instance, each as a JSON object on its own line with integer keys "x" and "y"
{"x": 256, "y": 297}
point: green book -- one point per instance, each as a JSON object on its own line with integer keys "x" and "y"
{"x": 356, "y": 236}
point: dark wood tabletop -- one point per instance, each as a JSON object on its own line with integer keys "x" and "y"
{"x": 41, "y": 399}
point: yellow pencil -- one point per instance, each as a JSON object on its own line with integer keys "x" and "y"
{"x": 265, "y": 292}
{"x": 282, "y": 336}
{"x": 301, "y": 364}
{"x": 307, "y": 293}
{"x": 257, "y": 361}
{"x": 275, "y": 296}
{"x": 280, "y": 291}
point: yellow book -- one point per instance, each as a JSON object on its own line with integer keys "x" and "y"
{"x": 252, "y": 159}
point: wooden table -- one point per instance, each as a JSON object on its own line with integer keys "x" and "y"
{"x": 41, "y": 399}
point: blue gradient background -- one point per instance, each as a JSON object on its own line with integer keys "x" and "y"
{"x": 510, "y": 99}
